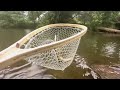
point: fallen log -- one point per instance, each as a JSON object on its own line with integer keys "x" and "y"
{"x": 110, "y": 30}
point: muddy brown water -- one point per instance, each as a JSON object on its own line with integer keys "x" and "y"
{"x": 94, "y": 49}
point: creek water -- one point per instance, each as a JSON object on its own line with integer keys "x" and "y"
{"x": 94, "y": 49}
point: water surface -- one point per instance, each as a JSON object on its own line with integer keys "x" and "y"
{"x": 94, "y": 49}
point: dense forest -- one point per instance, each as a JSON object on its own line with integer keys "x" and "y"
{"x": 35, "y": 19}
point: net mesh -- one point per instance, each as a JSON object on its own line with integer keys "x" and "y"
{"x": 57, "y": 58}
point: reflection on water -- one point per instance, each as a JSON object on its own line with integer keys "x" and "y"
{"x": 94, "y": 49}
{"x": 27, "y": 31}
{"x": 108, "y": 49}
{"x": 100, "y": 48}
{"x": 10, "y": 36}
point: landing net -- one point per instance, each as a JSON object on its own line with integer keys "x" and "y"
{"x": 57, "y": 58}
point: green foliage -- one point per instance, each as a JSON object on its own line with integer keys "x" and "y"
{"x": 11, "y": 19}
{"x": 52, "y": 17}
{"x": 18, "y": 19}
{"x": 94, "y": 19}
{"x": 35, "y": 19}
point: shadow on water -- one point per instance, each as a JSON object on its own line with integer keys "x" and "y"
{"x": 94, "y": 49}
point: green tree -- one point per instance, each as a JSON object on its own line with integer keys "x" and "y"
{"x": 33, "y": 16}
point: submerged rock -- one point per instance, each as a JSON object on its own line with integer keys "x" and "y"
{"x": 81, "y": 62}
{"x": 107, "y": 71}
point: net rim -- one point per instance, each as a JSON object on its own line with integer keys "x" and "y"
{"x": 53, "y": 44}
